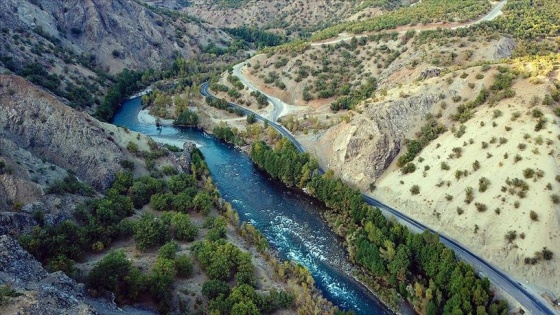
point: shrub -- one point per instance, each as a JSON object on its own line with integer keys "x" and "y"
{"x": 183, "y": 265}
{"x": 458, "y": 152}
{"x": 483, "y": 184}
{"x": 415, "y": 189}
{"x": 476, "y": 165}
{"x": 408, "y": 168}
{"x": 150, "y": 231}
{"x": 511, "y": 236}
{"x": 547, "y": 254}
{"x": 132, "y": 147}
{"x": 555, "y": 198}
{"x": 534, "y": 216}
{"x": 469, "y": 192}
{"x": 537, "y": 113}
{"x": 71, "y": 185}
{"x": 480, "y": 207}
{"x": 445, "y": 166}
{"x": 528, "y": 173}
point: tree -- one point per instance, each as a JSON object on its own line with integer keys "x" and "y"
{"x": 161, "y": 283}
{"x": 213, "y": 288}
{"x": 186, "y": 118}
{"x": 110, "y": 272}
{"x": 182, "y": 227}
{"x": 183, "y": 265}
{"x": 168, "y": 250}
{"x": 251, "y": 119}
{"x": 245, "y": 308}
{"x": 150, "y": 231}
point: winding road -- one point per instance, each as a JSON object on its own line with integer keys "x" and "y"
{"x": 532, "y": 302}
{"x": 496, "y": 10}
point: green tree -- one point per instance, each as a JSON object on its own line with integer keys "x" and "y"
{"x": 150, "y": 231}
{"x": 183, "y": 228}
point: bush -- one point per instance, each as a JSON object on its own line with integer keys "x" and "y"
{"x": 511, "y": 236}
{"x": 408, "y": 168}
{"x": 182, "y": 227}
{"x": 168, "y": 250}
{"x": 183, "y": 265}
{"x": 445, "y": 166}
{"x": 150, "y": 231}
{"x": 534, "y": 216}
{"x": 71, "y": 185}
{"x": 415, "y": 189}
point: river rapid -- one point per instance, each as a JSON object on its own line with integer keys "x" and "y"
{"x": 289, "y": 219}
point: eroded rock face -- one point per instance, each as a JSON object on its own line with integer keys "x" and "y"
{"x": 184, "y": 160}
{"x": 41, "y": 124}
{"x": 504, "y": 48}
{"x": 43, "y": 293}
{"x": 362, "y": 150}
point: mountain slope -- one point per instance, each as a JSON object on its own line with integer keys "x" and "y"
{"x": 114, "y": 34}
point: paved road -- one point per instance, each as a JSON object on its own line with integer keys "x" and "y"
{"x": 281, "y": 129}
{"x": 278, "y": 105}
{"x": 532, "y": 303}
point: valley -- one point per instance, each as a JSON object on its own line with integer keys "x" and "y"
{"x": 441, "y": 113}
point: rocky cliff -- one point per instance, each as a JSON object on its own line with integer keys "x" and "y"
{"x": 40, "y": 292}
{"x": 39, "y": 123}
{"x": 361, "y": 150}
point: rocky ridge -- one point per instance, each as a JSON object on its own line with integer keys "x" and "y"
{"x": 115, "y": 34}
{"x": 41, "y": 124}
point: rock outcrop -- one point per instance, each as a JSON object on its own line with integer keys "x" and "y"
{"x": 43, "y": 293}
{"x": 38, "y": 122}
{"x": 360, "y": 151}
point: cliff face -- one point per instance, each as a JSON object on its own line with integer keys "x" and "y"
{"x": 362, "y": 149}
{"x": 39, "y": 123}
{"x": 42, "y": 293}
{"x": 46, "y": 293}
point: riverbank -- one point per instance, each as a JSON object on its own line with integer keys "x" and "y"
{"x": 348, "y": 273}
{"x": 145, "y": 117}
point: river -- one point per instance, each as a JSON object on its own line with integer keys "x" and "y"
{"x": 289, "y": 219}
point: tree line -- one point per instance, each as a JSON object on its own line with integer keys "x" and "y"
{"x": 417, "y": 266}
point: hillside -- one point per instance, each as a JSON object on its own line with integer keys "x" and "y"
{"x": 291, "y": 17}
{"x": 456, "y": 127}
{"x": 73, "y": 48}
